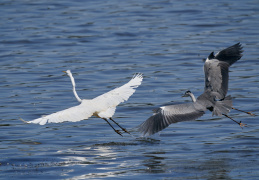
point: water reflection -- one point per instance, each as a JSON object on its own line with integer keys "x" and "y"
{"x": 154, "y": 162}
{"x": 208, "y": 168}
{"x": 215, "y": 168}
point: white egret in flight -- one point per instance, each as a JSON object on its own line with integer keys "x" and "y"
{"x": 102, "y": 106}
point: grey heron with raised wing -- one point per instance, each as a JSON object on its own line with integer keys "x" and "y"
{"x": 216, "y": 69}
{"x": 102, "y": 106}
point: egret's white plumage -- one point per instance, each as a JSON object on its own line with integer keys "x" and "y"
{"x": 103, "y": 106}
{"x": 68, "y": 72}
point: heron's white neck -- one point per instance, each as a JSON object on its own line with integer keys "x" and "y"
{"x": 193, "y": 97}
{"x": 74, "y": 88}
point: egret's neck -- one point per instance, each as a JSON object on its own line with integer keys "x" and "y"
{"x": 193, "y": 97}
{"x": 74, "y": 89}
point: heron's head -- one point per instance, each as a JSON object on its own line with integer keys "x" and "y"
{"x": 187, "y": 93}
{"x": 211, "y": 56}
{"x": 68, "y": 72}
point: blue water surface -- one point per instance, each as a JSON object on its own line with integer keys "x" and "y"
{"x": 104, "y": 43}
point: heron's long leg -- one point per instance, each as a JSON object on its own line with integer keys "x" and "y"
{"x": 250, "y": 113}
{"x": 119, "y": 126}
{"x": 240, "y": 124}
{"x": 117, "y": 131}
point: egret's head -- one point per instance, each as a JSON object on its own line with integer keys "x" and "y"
{"x": 187, "y": 93}
{"x": 68, "y": 72}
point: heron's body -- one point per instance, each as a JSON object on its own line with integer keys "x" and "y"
{"x": 216, "y": 70}
{"x": 213, "y": 98}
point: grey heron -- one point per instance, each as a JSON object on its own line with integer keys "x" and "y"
{"x": 102, "y": 106}
{"x": 216, "y": 68}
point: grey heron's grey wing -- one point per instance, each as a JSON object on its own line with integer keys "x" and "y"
{"x": 216, "y": 77}
{"x": 216, "y": 69}
{"x": 166, "y": 115}
{"x": 230, "y": 54}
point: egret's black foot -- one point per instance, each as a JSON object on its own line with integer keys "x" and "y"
{"x": 125, "y": 130}
{"x": 118, "y": 132}
{"x": 119, "y": 126}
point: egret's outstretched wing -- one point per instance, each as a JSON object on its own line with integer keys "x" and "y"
{"x": 216, "y": 69}
{"x": 166, "y": 115}
{"x": 73, "y": 114}
{"x": 120, "y": 94}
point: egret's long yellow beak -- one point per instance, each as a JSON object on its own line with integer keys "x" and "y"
{"x": 64, "y": 72}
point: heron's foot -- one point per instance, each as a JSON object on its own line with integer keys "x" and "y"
{"x": 242, "y": 125}
{"x": 250, "y": 113}
{"x": 118, "y": 132}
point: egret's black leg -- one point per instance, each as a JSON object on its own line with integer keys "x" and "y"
{"x": 119, "y": 126}
{"x": 117, "y": 131}
{"x": 240, "y": 124}
{"x": 250, "y": 113}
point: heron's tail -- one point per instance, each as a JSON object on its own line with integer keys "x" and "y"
{"x": 222, "y": 106}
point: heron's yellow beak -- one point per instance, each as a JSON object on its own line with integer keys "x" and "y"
{"x": 64, "y": 72}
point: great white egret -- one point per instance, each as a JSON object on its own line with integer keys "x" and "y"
{"x": 102, "y": 106}
{"x": 213, "y": 98}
